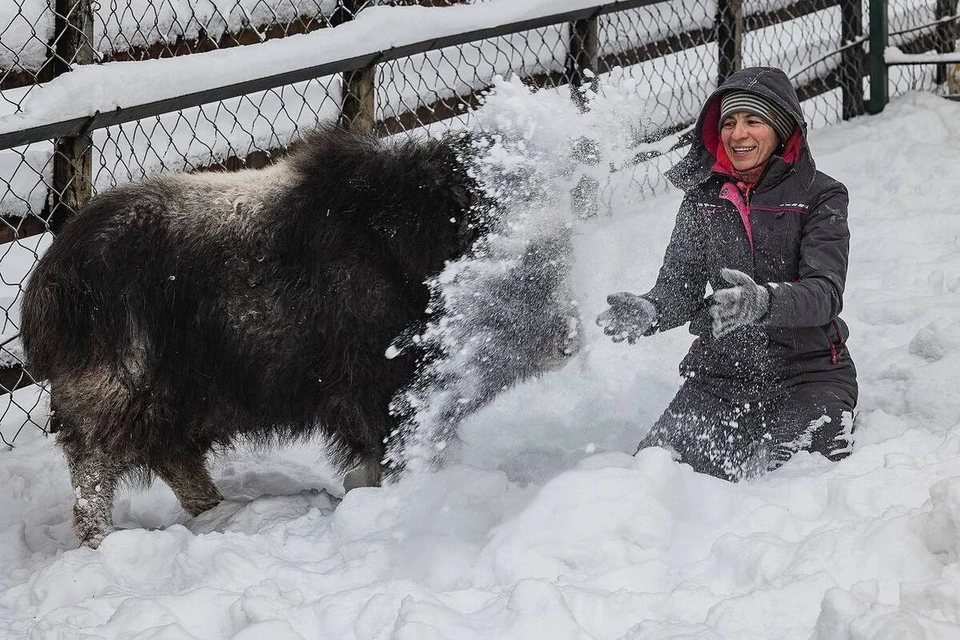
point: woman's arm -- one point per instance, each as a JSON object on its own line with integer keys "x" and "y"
{"x": 678, "y": 293}
{"x": 817, "y": 297}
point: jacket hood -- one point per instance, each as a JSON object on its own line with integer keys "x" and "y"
{"x": 768, "y": 82}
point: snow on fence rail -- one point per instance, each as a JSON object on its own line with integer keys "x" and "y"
{"x": 895, "y": 56}
{"x": 104, "y": 98}
{"x": 140, "y": 30}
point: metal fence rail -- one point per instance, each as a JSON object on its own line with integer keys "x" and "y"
{"x": 671, "y": 52}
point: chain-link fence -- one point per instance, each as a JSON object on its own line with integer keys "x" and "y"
{"x": 668, "y": 54}
{"x": 924, "y": 27}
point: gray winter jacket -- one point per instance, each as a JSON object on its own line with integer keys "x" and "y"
{"x": 790, "y": 233}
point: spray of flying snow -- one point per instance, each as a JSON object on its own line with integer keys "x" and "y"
{"x": 504, "y": 312}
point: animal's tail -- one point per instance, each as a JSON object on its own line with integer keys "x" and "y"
{"x": 62, "y": 311}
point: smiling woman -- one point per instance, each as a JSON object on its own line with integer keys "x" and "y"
{"x": 748, "y": 141}
{"x": 769, "y": 373}
{"x": 752, "y": 128}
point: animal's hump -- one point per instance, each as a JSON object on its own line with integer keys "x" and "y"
{"x": 329, "y": 144}
{"x": 332, "y": 150}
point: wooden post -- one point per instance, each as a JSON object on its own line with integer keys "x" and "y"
{"x": 358, "y": 101}
{"x": 945, "y": 42}
{"x": 879, "y": 85}
{"x": 729, "y": 38}
{"x": 358, "y": 106}
{"x": 73, "y": 155}
{"x": 582, "y": 60}
{"x": 851, "y": 65}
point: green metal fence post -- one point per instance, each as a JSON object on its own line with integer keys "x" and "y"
{"x": 879, "y": 74}
{"x": 945, "y": 37}
{"x": 582, "y": 65}
{"x": 852, "y": 58}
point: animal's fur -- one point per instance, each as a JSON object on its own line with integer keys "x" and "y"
{"x": 187, "y": 310}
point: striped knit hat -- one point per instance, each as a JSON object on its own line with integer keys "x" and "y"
{"x": 775, "y": 115}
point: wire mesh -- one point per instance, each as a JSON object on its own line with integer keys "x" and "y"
{"x": 244, "y": 132}
{"x": 668, "y": 57}
{"x": 131, "y": 31}
{"x": 918, "y": 26}
{"x": 656, "y": 64}
{"x": 25, "y": 30}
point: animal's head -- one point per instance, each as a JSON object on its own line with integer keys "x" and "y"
{"x": 433, "y": 208}
{"x": 416, "y": 198}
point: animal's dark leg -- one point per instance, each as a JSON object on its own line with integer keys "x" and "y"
{"x": 538, "y": 305}
{"x": 567, "y": 342}
{"x": 94, "y": 478}
{"x": 362, "y": 424}
{"x": 367, "y": 474}
{"x": 191, "y": 482}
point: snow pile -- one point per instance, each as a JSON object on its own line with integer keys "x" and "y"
{"x": 548, "y": 526}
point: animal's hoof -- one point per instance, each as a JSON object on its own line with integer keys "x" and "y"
{"x": 93, "y": 540}
{"x": 200, "y": 507}
{"x": 567, "y": 346}
{"x": 571, "y": 344}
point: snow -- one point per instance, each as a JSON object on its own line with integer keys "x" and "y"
{"x": 893, "y": 55}
{"x": 547, "y": 526}
{"x": 139, "y": 24}
{"x": 25, "y": 28}
{"x": 655, "y": 21}
{"x": 27, "y": 25}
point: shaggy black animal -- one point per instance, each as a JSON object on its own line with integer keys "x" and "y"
{"x": 182, "y": 312}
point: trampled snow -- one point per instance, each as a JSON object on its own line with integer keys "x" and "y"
{"x": 548, "y": 526}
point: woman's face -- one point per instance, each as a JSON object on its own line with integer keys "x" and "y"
{"x": 748, "y": 140}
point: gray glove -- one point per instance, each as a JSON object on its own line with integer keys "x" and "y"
{"x": 744, "y": 303}
{"x": 628, "y": 318}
